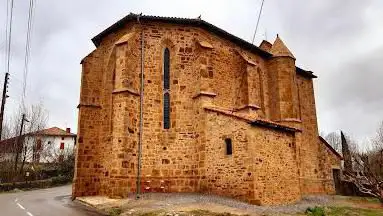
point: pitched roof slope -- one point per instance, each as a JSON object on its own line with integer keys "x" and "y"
{"x": 184, "y": 21}
{"x": 54, "y": 131}
{"x": 204, "y": 25}
{"x": 8, "y": 145}
{"x": 279, "y": 49}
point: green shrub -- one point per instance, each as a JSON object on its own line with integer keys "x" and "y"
{"x": 60, "y": 180}
{"x": 115, "y": 211}
{"x": 55, "y": 181}
{"x": 316, "y": 211}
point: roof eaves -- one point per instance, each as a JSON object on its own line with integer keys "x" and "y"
{"x": 274, "y": 126}
{"x": 187, "y": 21}
{"x": 305, "y": 73}
{"x": 97, "y": 39}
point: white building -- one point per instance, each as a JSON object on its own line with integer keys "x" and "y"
{"x": 45, "y": 146}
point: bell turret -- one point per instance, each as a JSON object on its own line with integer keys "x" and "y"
{"x": 283, "y": 87}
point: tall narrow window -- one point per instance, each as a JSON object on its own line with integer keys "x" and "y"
{"x": 38, "y": 145}
{"x": 229, "y": 146}
{"x": 166, "y": 89}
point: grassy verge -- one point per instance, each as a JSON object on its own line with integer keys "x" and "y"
{"x": 365, "y": 199}
{"x": 341, "y": 211}
{"x": 197, "y": 212}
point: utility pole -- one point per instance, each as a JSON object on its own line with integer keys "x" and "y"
{"x": 23, "y": 119}
{"x": 3, "y": 99}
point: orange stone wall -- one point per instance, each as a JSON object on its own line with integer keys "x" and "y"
{"x": 268, "y": 166}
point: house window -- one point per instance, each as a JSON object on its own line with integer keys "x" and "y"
{"x": 62, "y": 138}
{"x": 38, "y": 144}
{"x": 229, "y": 146}
{"x": 61, "y": 145}
{"x": 166, "y": 107}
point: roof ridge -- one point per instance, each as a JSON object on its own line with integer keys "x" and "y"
{"x": 180, "y": 20}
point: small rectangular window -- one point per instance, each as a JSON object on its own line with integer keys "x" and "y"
{"x": 62, "y": 138}
{"x": 229, "y": 147}
{"x": 61, "y": 145}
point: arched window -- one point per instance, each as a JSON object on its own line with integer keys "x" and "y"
{"x": 166, "y": 89}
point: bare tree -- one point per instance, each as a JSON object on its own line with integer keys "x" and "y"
{"x": 366, "y": 171}
{"x": 37, "y": 118}
{"x": 23, "y": 146}
{"x": 334, "y": 140}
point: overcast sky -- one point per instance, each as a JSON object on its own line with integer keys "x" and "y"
{"x": 340, "y": 41}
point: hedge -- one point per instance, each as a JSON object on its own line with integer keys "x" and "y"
{"x": 55, "y": 181}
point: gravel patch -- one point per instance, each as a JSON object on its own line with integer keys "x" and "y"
{"x": 169, "y": 201}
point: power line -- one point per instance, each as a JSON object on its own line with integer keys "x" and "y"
{"x": 8, "y": 59}
{"x": 259, "y": 17}
{"x": 27, "y": 49}
{"x": 9, "y": 38}
{"x": 2, "y": 45}
{"x": 6, "y": 37}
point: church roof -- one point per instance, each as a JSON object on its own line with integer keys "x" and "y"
{"x": 279, "y": 49}
{"x": 196, "y": 22}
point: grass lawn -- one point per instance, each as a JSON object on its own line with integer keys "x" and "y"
{"x": 189, "y": 213}
{"x": 347, "y": 211}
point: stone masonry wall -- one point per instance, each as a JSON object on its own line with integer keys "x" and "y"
{"x": 88, "y": 151}
{"x": 262, "y": 169}
{"x": 267, "y": 166}
{"x": 329, "y": 162}
{"x": 315, "y": 162}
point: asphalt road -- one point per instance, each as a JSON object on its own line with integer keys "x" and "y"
{"x": 45, "y": 202}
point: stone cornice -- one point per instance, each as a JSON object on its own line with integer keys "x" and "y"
{"x": 205, "y": 44}
{"x": 89, "y": 106}
{"x": 228, "y": 112}
{"x": 248, "y": 106}
{"x": 126, "y": 90}
{"x": 204, "y": 93}
{"x": 124, "y": 39}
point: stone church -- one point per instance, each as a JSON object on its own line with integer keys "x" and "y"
{"x": 216, "y": 115}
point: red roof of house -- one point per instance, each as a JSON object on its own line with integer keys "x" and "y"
{"x": 54, "y": 131}
{"x": 8, "y": 145}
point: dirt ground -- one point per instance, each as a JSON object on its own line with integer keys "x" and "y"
{"x": 211, "y": 205}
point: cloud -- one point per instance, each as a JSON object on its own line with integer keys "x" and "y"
{"x": 340, "y": 42}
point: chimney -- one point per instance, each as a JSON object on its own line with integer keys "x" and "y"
{"x": 67, "y": 130}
